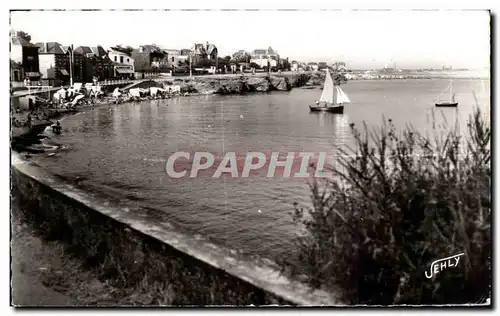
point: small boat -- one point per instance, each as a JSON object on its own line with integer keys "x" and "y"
{"x": 332, "y": 97}
{"x": 450, "y": 102}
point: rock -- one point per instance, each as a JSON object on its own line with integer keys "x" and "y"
{"x": 232, "y": 86}
{"x": 316, "y": 79}
{"x": 188, "y": 87}
{"x": 293, "y": 80}
{"x": 279, "y": 83}
{"x": 260, "y": 84}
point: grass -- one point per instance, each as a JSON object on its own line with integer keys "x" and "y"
{"x": 397, "y": 203}
{"x": 66, "y": 273}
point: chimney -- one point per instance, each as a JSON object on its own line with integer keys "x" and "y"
{"x": 46, "y": 47}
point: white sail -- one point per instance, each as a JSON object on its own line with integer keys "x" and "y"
{"x": 328, "y": 94}
{"x": 448, "y": 92}
{"x": 342, "y": 96}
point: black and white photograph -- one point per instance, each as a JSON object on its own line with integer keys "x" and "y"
{"x": 250, "y": 158}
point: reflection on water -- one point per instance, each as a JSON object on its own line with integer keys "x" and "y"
{"x": 122, "y": 150}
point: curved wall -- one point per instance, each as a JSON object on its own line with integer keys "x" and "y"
{"x": 133, "y": 246}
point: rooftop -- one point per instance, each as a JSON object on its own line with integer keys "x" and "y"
{"x": 50, "y": 48}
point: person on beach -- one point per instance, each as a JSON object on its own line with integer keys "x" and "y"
{"x": 56, "y": 128}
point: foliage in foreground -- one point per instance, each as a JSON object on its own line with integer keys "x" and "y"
{"x": 398, "y": 203}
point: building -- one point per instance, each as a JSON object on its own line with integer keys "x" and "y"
{"x": 174, "y": 52}
{"x": 312, "y": 66}
{"x": 55, "y": 61}
{"x": 177, "y": 59}
{"x": 95, "y": 63}
{"x": 207, "y": 51}
{"x": 340, "y": 66}
{"x": 204, "y": 55}
{"x": 158, "y": 57}
{"x": 185, "y": 52}
{"x": 265, "y": 57}
{"x": 24, "y": 59}
{"x": 322, "y": 65}
{"x": 149, "y": 60}
{"x": 123, "y": 63}
{"x": 16, "y": 71}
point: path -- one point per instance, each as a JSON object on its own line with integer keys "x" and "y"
{"x": 29, "y": 263}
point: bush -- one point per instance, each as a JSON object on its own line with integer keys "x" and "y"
{"x": 396, "y": 204}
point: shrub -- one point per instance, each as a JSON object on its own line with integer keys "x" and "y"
{"x": 395, "y": 204}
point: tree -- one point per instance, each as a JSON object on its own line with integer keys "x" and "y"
{"x": 224, "y": 61}
{"x": 24, "y": 35}
{"x": 202, "y": 63}
{"x": 241, "y": 56}
{"x": 254, "y": 65}
{"x": 339, "y": 78}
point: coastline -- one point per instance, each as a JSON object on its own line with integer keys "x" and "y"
{"x": 23, "y": 137}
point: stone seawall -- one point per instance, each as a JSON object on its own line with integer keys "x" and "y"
{"x": 129, "y": 245}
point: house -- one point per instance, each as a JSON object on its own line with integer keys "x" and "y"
{"x": 207, "y": 51}
{"x": 339, "y": 65}
{"x": 204, "y": 54}
{"x": 185, "y": 52}
{"x": 265, "y": 57}
{"x": 16, "y": 71}
{"x": 158, "y": 57}
{"x": 95, "y": 63}
{"x": 312, "y": 66}
{"x": 55, "y": 61}
{"x": 24, "y": 57}
{"x": 176, "y": 58}
{"x": 85, "y": 51}
{"x": 149, "y": 59}
{"x": 123, "y": 63}
{"x": 322, "y": 65}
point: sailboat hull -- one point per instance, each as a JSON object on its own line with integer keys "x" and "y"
{"x": 329, "y": 109}
{"x": 447, "y": 104}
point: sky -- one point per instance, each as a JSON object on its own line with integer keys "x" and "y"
{"x": 362, "y": 39}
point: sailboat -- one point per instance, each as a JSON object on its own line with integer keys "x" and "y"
{"x": 451, "y": 97}
{"x": 332, "y": 98}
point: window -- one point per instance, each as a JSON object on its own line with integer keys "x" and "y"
{"x": 115, "y": 59}
{"x": 128, "y": 60}
{"x": 121, "y": 59}
{"x": 172, "y": 59}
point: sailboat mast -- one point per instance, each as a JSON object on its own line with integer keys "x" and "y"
{"x": 451, "y": 90}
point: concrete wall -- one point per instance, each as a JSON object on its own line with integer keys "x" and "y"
{"x": 113, "y": 237}
{"x": 20, "y": 102}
